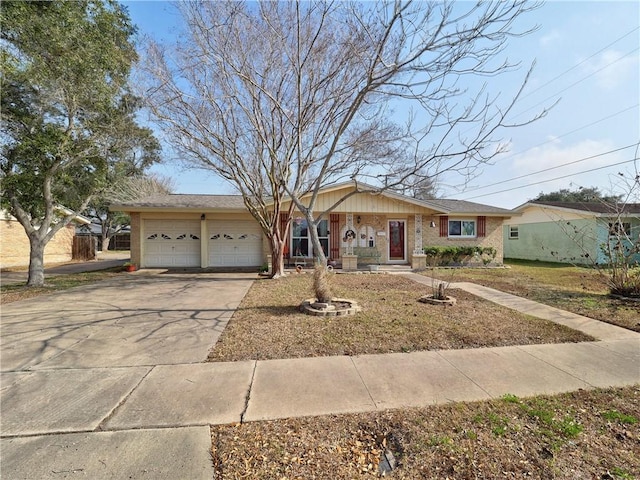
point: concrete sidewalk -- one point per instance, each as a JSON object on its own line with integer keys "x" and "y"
{"x": 151, "y": 420}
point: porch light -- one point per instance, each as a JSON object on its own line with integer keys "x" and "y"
{"x": 202, "y": 217}
{"x": 432, "y": 224}
{"x": 358, "y": 219}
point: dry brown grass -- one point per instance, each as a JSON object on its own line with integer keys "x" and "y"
{"x": 578, "y": 290}
{"x": 269, "y": 325}
{"x": 586, "y": 434}
{"x": 17, "y": 292}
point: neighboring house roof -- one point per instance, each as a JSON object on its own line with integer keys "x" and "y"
{"x": 78, "y": 219}
{"x": 96, "y": 229}
{"x": 189, "y": 202}
{"x": 597, "y": 208}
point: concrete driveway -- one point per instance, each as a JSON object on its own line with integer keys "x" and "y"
{"x": 69, "y": 360}
{"x": 109, "y": 381}
{"x": 135, "y": 321}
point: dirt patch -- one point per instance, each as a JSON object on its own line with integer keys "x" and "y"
{"x": 268, "y": 324}
{"x": 585, "y": 434}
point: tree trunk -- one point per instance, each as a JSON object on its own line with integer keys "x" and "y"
{"x": 319, "y": 256}
{"x": 277, "y": 256}
{"x": 105, "y": 241}
{"x": 36, "y": 262}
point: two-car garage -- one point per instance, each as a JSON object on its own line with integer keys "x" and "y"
{"x": 177, "y": 242}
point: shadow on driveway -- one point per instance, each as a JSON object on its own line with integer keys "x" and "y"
{"x": 130, "y": 321}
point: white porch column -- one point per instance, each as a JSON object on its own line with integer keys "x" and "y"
{"x": 417, "y": 249}
{"x": 418, "y": 258}
{"x": 349, "y": 250}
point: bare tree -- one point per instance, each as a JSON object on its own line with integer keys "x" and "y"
{"x": 620, "y": 244}
{"x": 125, "y": 189}
{"x": 283, "y": 98}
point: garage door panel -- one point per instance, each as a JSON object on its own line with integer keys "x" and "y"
{"x": 234, "y": 243}
{"x": 172, "y": 243}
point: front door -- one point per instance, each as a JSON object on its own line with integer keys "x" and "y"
{"x": 396, "y": 241}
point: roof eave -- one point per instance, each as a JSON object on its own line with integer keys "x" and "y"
{"x": 161, "y": 209}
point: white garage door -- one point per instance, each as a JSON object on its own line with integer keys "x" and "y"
{"x": 234, "y": 243}
{"x": 171, "y": 243}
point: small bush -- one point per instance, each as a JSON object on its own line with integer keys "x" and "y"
{"x": 443, "y": 256}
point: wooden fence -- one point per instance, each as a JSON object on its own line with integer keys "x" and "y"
{"x": 84, "y": 248}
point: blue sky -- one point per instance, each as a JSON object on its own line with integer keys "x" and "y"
{"x": 587, "y": 56}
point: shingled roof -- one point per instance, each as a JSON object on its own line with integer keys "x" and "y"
{"x": 183, "y": 202}
{"x": 594, "y": 207}
{"x": 179, "y": 201}
{"x": 459, "y": 207}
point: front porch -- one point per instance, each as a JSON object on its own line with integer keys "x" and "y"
{"x": 354, "y": 241}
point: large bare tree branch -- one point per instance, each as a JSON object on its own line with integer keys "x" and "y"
{"x": 284, "y": 98}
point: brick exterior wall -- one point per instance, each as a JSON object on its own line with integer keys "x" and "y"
{"x": 136, "y": 235}
{"x": 431, "y": 236}
{"x": 14, "y": 245}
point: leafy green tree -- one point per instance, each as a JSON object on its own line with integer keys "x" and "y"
{"x": 131, "y": 150}
{"x": 581, "y": 194}
{"x": 65, "y": 66}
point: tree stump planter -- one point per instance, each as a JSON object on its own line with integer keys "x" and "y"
{"x": 337, "y": 308}
{"x": 436, "y": 301}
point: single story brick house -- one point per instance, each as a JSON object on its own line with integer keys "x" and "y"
{"x": 568, "y": 232}
{"x": 14, "y": 243}
{"x": 179, "y": 230}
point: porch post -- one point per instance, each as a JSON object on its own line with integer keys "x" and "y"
{"x": 418, "y": 258}
{"x": 349, "y": 260}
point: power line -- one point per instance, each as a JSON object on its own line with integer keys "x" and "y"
{"x": 552, "y": 179}
{"x": 563, "y": 135}
{"x": 552, "y": 168}
{"x": 580, "y": 63}
{"x": 577, "y": 82}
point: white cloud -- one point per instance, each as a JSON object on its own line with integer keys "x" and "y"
{"x": 530, "y": 182}
{"x": 551, "y": 39}
{"x": 611, "y": 68}
{"x": 555, "y": 153}
{"x": 586, "y": 160}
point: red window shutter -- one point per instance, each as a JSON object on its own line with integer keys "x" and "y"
{"x": 482, "y": 226}
{"x": 444, "y": 226}
{"x": 334, "y": 236}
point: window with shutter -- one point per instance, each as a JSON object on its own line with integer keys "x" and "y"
{"x": 444, "y": 226}
{"x": 482, "y": 226}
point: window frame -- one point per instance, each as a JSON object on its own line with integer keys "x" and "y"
{"x": 514, "y": 232}
{"x": 324, "y": 239}
{"x": 619, "y": 228}
{"x": 461, "y": 221}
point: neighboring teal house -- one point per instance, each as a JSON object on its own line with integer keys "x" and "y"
{"x": 569, "y": 232}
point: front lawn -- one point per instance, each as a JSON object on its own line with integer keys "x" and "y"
{"x": 269, "y": 325}
{"x": 576, "y": 289}
{"x": 585, "y": 434}
{"x": 15, "y": 292}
